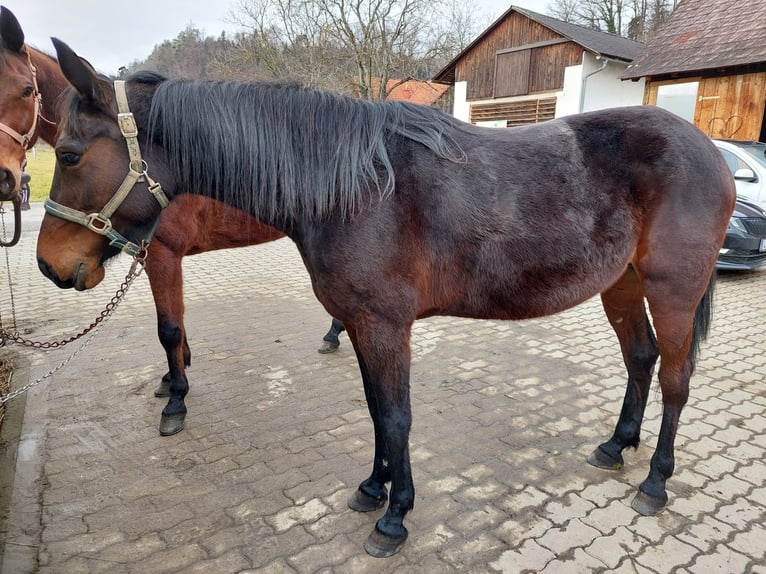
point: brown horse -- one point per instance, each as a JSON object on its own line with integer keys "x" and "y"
{"x": 425, "y": 215}
{"x": 19, "y": 113}
{"x": 193, "y": 224}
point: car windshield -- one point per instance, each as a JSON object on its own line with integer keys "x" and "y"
{"x": 758, "y": 151}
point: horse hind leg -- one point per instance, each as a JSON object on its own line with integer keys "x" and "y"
{"x": 624, "y": 307}
{"x": 680, "y": 329}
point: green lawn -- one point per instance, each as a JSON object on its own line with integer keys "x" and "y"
{"x": 40, "y": 162}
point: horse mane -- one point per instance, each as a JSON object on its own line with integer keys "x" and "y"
{"x": 281, "y": 150}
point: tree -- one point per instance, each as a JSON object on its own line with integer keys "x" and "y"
{"x": 636, "y": 19}
{"x": 190, "y": 55}
{"x": 356, "y": 45}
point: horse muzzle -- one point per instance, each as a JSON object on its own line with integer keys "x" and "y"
{"x": 77, "y": 281}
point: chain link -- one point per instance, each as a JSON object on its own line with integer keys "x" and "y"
{"x": 137, "y": 267}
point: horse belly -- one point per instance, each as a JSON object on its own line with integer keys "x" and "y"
{"x": 513, "y": 287}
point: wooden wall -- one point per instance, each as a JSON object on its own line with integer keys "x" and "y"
{"x": 546, "y": 64}
{"x": 727, "y": 106}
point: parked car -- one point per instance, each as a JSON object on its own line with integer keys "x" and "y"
{"x": 747, "y": 163}
{"x": 745, "y": 243}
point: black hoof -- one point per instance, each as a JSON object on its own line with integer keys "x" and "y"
{"x": 328, "y": 347}
{"x": 362, "y": 502}
{"x": 647, "y": 505}
{"x": 163, "y": 390}
{"x": 172, "y": 424}
{"x": 379, "y": 545}
{"x": 600, "y": 459}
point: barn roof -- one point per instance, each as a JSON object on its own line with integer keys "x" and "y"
{"x": 704, "y": 35}
{"x": 594, "y": 41}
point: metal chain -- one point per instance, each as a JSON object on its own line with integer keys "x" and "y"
{"x": 54, "y": 370}
{"x": 137, "y": 267}
{"x": 139, "y": 261}
{"x": 10, "y": 282}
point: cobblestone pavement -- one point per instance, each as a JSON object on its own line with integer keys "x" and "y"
{"x": 278, "y": 436}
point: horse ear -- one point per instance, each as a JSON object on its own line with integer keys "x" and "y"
{"x": 78, "y": 71}
{"x": 10, "y": 30}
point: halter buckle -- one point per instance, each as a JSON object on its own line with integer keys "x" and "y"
{"x": 98, "y": 223}
{"x": 127, "y": 124}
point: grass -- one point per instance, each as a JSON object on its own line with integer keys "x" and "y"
{"x": 40, "y": 163}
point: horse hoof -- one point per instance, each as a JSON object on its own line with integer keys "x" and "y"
{"x": 647, "y": 505}
{"x": 362, "y": 502}
{"x": 163, "y": 390}
{"x": 328, "y": 347}
{"x": 172, "y": 424}
{"x": 600, "y": 459}
{"x": 379, "y": 545}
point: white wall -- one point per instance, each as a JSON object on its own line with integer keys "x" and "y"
{"x": 460, "y": 109}
{"x": 604, "y": 89}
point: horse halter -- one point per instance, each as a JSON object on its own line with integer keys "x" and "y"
{"x": 137, "y": 172}
{"x": 25, "y": 139}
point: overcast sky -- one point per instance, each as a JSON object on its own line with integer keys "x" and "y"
{"x": 111, "y": 34}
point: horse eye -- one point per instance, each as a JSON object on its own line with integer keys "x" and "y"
{"x": 28, "y": 92}
{"x": 68, "y": 158}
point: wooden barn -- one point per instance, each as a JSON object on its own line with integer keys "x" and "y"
{"x": 708, "y": 65}
{"x": 527, "y": 68}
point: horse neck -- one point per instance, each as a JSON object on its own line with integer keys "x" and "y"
{"x": 51, "y": 82}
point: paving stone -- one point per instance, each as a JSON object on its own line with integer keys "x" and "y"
{"x": 529, "y": 557}
{"x": 278, "y": 436}
{"x": 611, "y": 550}
{"x": 721, "y": 559}
{"x": 574, "y": 534}
{"x": 662, "y": 558}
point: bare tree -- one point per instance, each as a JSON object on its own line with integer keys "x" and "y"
{"x": 637, "y": 19}
{"x": 360, "y": 43}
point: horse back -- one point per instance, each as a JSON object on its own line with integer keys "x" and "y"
{"x": 540, "y": 218}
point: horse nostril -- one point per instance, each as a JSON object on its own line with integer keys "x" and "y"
{"x": 7, "y": 184}
{"x": 45, "y": 268}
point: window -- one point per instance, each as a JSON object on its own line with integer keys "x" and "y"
{"x": 732, "y": 161}
{"x": 681, "y": 99}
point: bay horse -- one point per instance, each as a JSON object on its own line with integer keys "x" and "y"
{"x": 402, "y": 212}
{"x": 19, "y": 112}
{"x": 193, "y": 224}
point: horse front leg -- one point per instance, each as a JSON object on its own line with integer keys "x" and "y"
{"x": 624, "y": 307}
{"x": 166, "y": 280}
{"x": 384, "y": 362}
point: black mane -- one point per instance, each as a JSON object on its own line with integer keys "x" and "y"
{"x": 279, "y": 150}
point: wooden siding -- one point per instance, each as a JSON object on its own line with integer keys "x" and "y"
{"x": 512, "y": 74}
{"x": 727, "y": 106}
{"x": 546, "y": 71}
{"x": 515, "y": 113}
{"x": 477, "y": 68}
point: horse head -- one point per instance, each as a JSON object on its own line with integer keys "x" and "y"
{"x": 102, "y": 200}
{"x": 19, "y": 104}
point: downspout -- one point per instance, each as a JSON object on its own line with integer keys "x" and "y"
{"x": 604, "y": 63}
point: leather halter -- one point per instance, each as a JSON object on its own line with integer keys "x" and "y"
{"x": 25, "y": 139}
{"x": 137, "y": 172}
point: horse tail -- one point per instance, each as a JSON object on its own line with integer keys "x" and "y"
{"x": 702, "y": 319}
